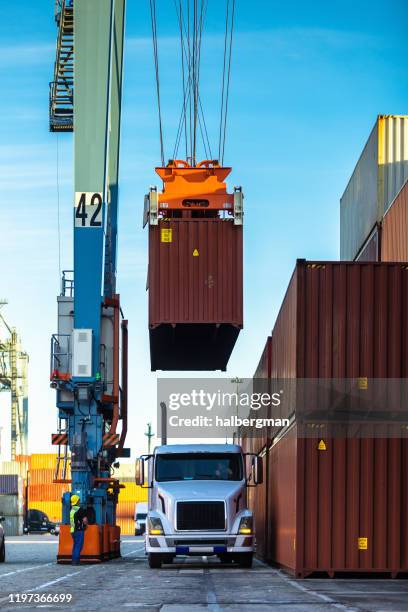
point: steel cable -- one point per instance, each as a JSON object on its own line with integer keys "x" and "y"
{"x": 156, "y": 65}
{"x": 58, "y": 214}
{"x": 228, "y": 80}
{"x": 223, "y": 79}
{"x": 191, "y": 16}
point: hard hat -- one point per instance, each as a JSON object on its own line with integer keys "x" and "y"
{"x": 74, "y": 500}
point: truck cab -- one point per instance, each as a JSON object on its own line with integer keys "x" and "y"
{"x": 198, "y": 502}
{"x": 38, "y": 522}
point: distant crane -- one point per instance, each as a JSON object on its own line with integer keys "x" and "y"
{"x": 149, "y": 434}
{"x": 13, "y": 379}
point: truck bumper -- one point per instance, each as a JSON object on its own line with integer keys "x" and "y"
{"x": 199, "y": 545}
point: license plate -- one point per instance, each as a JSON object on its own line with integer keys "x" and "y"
{"x": 185, "y": 550}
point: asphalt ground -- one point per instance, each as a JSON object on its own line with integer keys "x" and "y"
{"x": 189, "y": 584}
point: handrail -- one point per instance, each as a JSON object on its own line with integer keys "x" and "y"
{"x": 124, "y": 393}
{"x": 67, "y": 283}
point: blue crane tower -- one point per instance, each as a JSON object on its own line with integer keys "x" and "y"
{"x": 89, "y": 352}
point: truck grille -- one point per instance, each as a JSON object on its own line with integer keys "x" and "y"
{"x": 197, "y": 516}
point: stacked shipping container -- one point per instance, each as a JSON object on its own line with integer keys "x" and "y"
{"x": 13, "y": 475}
{"x": 29, "y": 481}
{"x": 43, "y": 494}
{"x": 378, "y": 176}
{"x": 337, "y": 506}
{"x": 11, "y": 503}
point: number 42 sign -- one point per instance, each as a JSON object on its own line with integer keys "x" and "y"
{"x": 88, "y": 209}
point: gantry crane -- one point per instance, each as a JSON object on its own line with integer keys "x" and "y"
{"x": 13, "y": 379}
{"x": 89, "y": 352}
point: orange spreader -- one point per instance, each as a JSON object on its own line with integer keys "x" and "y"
{"x": 200, "y": 186}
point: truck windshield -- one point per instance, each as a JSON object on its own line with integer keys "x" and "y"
{"x": 194, "y": 466}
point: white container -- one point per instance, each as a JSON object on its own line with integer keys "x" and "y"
{"x": 11, "y": 505}
{"x": 377, "y": 178}
{"x": 13, "y": 525}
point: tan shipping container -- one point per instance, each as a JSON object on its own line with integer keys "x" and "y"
{"x": 377, "y": 178}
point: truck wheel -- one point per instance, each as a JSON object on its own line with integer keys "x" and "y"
{"x": 245, "y": 559}
{"x": 155, "y": 560}
{"x": 2, "y": 553}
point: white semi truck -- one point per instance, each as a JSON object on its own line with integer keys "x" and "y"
{"x": 198, "y": 502}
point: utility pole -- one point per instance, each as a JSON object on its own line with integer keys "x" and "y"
{"x": 149, "y": 434}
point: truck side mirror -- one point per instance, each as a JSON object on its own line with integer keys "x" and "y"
{"x": 257, "y": 470}
{"x": 139, "y": 475}
{"x": 140, "y": 472}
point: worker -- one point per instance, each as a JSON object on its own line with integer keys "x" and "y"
{"x": 78, "y": 522}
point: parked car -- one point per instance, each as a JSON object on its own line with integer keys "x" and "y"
{"x": 140, "y": 518}
{"x": 2, "y": 541}
{"x": 38, "y": 522}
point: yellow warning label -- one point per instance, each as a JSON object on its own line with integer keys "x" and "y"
{"x": 166, "y": 235}
{"x": 196, "y": 253}
{"x": 322, "y": 445}
{"x": 362, "y": 543}
{"x": 362, "y": 383}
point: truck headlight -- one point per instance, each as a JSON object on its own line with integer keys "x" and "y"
{"x": 155, "y": 526}
{"x": 246, "y": 525}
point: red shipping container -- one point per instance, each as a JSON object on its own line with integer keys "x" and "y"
{"x": 261, "y": 384}
{"x": 341, "y": 509}
{"x": 395, "y": 229}
{"x": 195, "y": 287}
{"x": 264, "y": 367}
{"x": 343, "y": 320}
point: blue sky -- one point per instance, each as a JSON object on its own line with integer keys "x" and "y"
{"x": 308, "y": 80}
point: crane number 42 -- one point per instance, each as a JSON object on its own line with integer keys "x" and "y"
{"x": 88, "y": 209}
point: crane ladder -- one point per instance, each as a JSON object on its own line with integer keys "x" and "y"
{"x": 62, "y": 87}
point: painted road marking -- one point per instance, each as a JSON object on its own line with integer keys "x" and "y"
{"x": 56, "y": 580}
{"x": 26, "y": 569}
{"x": 9, "y": 542}
{"x": 61, "y": 578}
{"x": 132, "y": 552}
{"x": 321, "y": 596}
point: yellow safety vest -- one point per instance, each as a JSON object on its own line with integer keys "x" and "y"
{"x": 72, "y": 514}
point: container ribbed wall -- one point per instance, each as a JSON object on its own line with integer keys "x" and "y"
{"x": 343, "y": 320}
{"x": 195, "y": 293}
{"x": 394, "y": 239}
{"x": 195, "y": 272}
{"x": 342, "y": 508}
